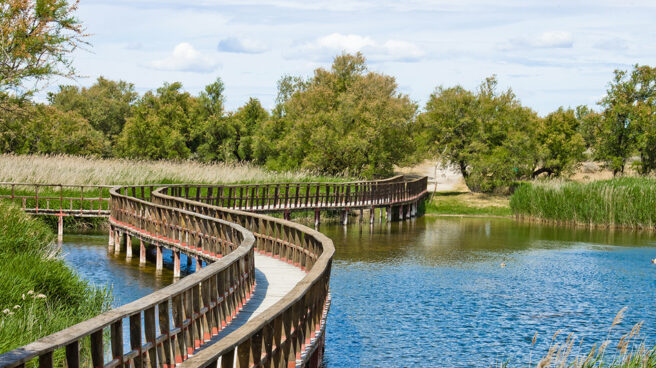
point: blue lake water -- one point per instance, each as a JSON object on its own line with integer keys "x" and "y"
{"x": 432, "y": 292}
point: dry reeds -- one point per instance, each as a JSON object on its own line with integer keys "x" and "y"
{"x": 63, "y": 169}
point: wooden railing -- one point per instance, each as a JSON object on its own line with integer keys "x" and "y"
{"x": 171, "y": 322}
{"x": 292, "y": 330}
{"x": 52, "y": 199}
{"x": 295, "y": 196}
{"x": 206, "y": 221}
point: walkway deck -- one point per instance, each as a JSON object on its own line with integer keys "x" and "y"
{"x": 274, "y": 279}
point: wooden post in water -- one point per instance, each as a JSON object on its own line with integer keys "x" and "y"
{"x": 176, "y": 263}
{"x": 159, "y": 263}
{"x": 317, "y": 217}
{"x": 199, "y": 264}
{"x": 372, "y": 215}
{"x": 110, "y": 246}
{"x": 345, "y": 217}
{"x": 286, "y": 215}
{"x": 388, "y": 213}
{"x": 60, "y": 228}
{"x": 142, "y": 252}
{"x": 117, "y": 242}
{"x": 128, "y": 247}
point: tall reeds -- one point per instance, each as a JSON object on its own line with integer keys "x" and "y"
{"x": 621, "y": 202}
{"x": 63, "y": 169}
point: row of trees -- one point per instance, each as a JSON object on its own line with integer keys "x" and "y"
{"x": 346, "y": 119}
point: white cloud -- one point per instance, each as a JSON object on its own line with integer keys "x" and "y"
{"x": 242, "y": 46}
{"x": 546, "y": 40}
{"x": 326, "y": 47}
{"x": 187, "y": 59}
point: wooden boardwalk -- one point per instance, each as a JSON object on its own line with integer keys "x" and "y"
{"x": 274, "y": 279}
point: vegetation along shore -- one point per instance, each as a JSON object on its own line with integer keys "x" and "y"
{"x": 40, "y": 293}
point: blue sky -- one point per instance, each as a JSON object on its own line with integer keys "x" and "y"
{"x": 551, "y": 53}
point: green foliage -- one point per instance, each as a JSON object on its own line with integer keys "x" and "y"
{"x": 341, "y": 120}
{"x": 36, "y": 39}
{"x": 161, "y": 125}
{"x": 627, "y": 202}
{"x": 487, "y": 135}
{"x": 106, "y": 104}
{"x": 455, "y": 203}
{"x": 629, "y": 120}
{"x": 561, "y": 146}
{"x": 44, "y": 129}
{"x": 40, "y": 294}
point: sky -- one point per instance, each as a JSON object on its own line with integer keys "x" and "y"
{"x": 550, "y": 52}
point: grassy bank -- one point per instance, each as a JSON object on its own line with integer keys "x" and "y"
{"x": 81, "y": 170}
{"x": 622, "y": 202}
{"x": 460, "y": 203}
{"x": 39, "y": 293}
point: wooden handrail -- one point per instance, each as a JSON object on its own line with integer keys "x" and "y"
{"x": 176, "y": 305}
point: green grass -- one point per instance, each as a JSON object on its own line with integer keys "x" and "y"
{"x": 621, "y": 202}
{"x": 40, "y": 293}
{"x": 456, "y": 203}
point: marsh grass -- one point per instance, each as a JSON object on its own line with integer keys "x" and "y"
{"x": 621, "y": 202}
{"x": 629, "y": 351}
{"x": 63, "y": 169}
{"x": 40, "y": 293}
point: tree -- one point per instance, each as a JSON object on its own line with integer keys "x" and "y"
{"x": 36, "y": 40}
{"x": 161, "y": 125}
{"x": 487, "y": 135}
{"x": 46, "y": 130}
{"x": 106, "y": 104}
{"x": 248, "y": 118}
{"x": 342, "y": 119}
{"x": 560, "y": 145}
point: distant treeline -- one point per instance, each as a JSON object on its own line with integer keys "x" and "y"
{"x": 345, "y": 119}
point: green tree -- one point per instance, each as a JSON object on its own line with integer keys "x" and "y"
{"x": 487, "y": 135}
{"x": 106, "y": 104}
{"x": 248, "y": 120}
{"x": 161, "y": 125}
{"x": 36, "y": 40}
{"x": 560, "y": 145}
{"x": 345, "y": 119}
{"x": 589, "y": 125}
{"x": 44, "y": 129}
{"x": 644, "y": 114}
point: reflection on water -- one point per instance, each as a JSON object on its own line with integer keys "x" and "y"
{"x": 87, "y": 254}
{"x": 432, "y": 292}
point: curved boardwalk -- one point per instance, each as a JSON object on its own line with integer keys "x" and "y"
{"x": 261, "y": 301}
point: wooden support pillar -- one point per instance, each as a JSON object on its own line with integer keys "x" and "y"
{"x": 117, "y": 242}
{"x": 60, "y": 229}
{"x": 388, "y": 213}
{"x": 372, "y": 215}
{"x": 189, "y": 262}
{"x": 110, "y": 246}
{"x": 400, "y": 212}
{"x": 142, "y": 252}
{"x": 361, "y": 219}
{"x": 287, "y": 215}
{"x": 345, "y": 217}
{"x": 317, "y": 217}
{"x": 176, "y": 263}
{"x": 128, "y": 247}
{"x": 199, "y": 264}
{"x": 159, "y": 263}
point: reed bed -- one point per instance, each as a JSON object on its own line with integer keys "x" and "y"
{"x": 62, "y": 169}
{"x": 39, "y": 293}
{"x": 621, "y": 202}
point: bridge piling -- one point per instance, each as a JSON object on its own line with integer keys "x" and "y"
{"x": 142, "y": 253}
{"x": 317, "y": 217}
{"x": 159, "y": 263}
{"x": 176, "y": 263}
{"x": 117, "y": 242}
{"x": 110, "y": 246}
{"x": 60, "y": 228}
{"x": 372, "y": 215}
{"x": 128, "y": 247}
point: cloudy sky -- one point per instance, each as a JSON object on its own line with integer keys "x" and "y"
{"x": 551, "y": 53}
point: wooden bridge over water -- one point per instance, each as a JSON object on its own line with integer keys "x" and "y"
{"x": 262, "y": 297}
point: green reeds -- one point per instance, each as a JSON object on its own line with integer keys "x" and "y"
{"x": 621, "y": 202}
{"x": 39, "y": 293}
